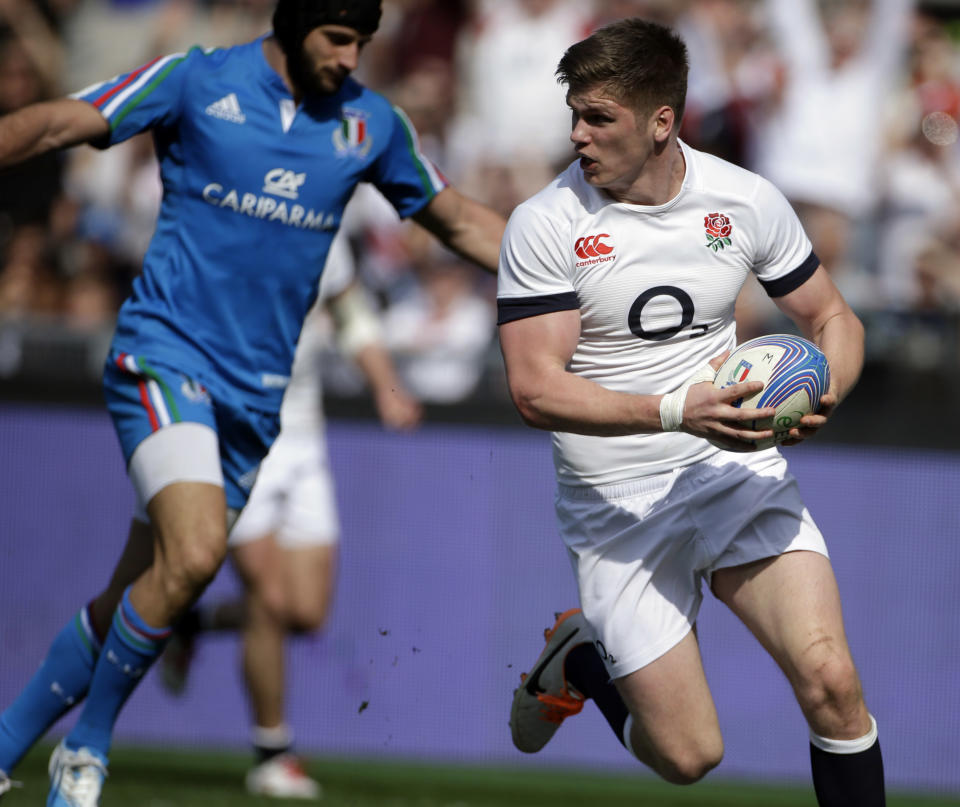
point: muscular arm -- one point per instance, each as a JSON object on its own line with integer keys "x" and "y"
{"x": 46, "y": 126}
{"x": 536, "y": 351}
{"x": 823, "y": 316}
{"x": 470, "y": 229}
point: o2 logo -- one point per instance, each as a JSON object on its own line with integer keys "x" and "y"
{"x": 635, "y": 316}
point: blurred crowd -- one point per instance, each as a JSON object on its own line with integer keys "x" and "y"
{"x": 850, "y": 106}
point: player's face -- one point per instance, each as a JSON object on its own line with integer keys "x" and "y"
{"x": 613, "y": 143}
{"x": 329, "y": 54}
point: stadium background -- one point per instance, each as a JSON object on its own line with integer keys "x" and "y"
{"x": 450, "y": 564}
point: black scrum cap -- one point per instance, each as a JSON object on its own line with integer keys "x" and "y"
{"x": 294, "y": 19}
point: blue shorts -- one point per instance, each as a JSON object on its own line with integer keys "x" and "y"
{"x": 143, "y": 397}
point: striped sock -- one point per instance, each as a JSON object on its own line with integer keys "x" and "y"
{"x": 57, "y": 686}
{"x": 271, "y": 742}
{"x": 128, "y": 651}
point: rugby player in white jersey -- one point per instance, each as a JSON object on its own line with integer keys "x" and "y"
{"x": 615, "y": 307}
{"x": 284, "y": 544}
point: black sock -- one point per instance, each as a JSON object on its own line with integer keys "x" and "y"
{"x": 188, "y": 625}
{"x": 584, "y": 669}
{"x": 848, "y": 780}
{"x": 263, "y": 754}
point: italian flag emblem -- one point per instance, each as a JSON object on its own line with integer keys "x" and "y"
{"x": 354, "y": 130}
{"x": 351, "y": 137}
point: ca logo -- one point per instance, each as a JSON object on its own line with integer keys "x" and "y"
{"x": 281, "y": 182}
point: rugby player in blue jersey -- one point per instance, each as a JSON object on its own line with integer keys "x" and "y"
{"x": 260, "y": 147}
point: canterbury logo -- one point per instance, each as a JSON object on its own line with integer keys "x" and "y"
{"x": 281, "y": 182}
{"x": 592, "y": 246}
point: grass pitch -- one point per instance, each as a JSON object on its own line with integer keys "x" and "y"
{"x": 165, "y": 778}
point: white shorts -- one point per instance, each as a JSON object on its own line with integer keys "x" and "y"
{"x": 293, "y": 497}
{"x": 641, "y": 549}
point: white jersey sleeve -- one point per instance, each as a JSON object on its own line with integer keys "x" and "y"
{"x": 534, "y": 259}
{"x": 784, "y": 257}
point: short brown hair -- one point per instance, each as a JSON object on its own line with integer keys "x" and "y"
{"x": 639, "y": 63}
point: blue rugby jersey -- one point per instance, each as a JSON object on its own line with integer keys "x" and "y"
{"x": 253, "y": 191}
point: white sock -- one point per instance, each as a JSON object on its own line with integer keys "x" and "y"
{"x": 278, "y": 738}
{"x": 627, "y": 729}
{"x": 854, "y": 746}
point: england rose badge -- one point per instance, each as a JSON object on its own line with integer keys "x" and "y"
{"x": 718, "y": 229}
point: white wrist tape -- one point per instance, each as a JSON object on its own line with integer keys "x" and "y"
{"x": 354, "y": 319}
{"x": 671, "y": 404}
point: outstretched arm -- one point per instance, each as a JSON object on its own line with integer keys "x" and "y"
{"x": 798, "y": 31}
{"x": 470, "y": 229}
{"x": 50, "y": 125}
{"x": 359, "y": 335}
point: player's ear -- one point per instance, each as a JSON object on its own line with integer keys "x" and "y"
{"x": 663, "y": 121}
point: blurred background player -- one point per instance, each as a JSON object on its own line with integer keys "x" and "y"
{"x": 261, "y": 147}
{"x": 284, "y": 544}
{"x": 843, "y": 58}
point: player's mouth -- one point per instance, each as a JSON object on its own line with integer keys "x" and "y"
{"x": 331, "y": 80}
{"x": 587, "y": 163}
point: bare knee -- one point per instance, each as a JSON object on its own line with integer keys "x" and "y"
{"x": 681, "y": 759}
{"x": 186, "y": 572}
{"x": 831, "y": 698}
{"x": 308, "y": 614}
{"x": 690, "y": 764}
{"x": 295, "y": 612}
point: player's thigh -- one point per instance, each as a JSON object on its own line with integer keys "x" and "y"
{"x": 634, "y": 552}
{"x": 172, "y": 429}
{"x": 671, "y": 704}
{"x": 166, "y": 434}
{"x": 791, "y": 603}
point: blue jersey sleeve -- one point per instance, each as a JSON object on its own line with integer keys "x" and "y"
{"x": 145, "y": 98}
{"x": 401, "y": 173}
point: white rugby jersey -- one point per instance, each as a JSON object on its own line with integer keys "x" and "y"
{"x": 302, "y": 408}
{"x": 655, "y": 287}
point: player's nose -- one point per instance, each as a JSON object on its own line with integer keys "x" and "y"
{"x": 350, "y": 56}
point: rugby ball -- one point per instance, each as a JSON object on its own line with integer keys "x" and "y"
{"x": 795, "y": 374}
